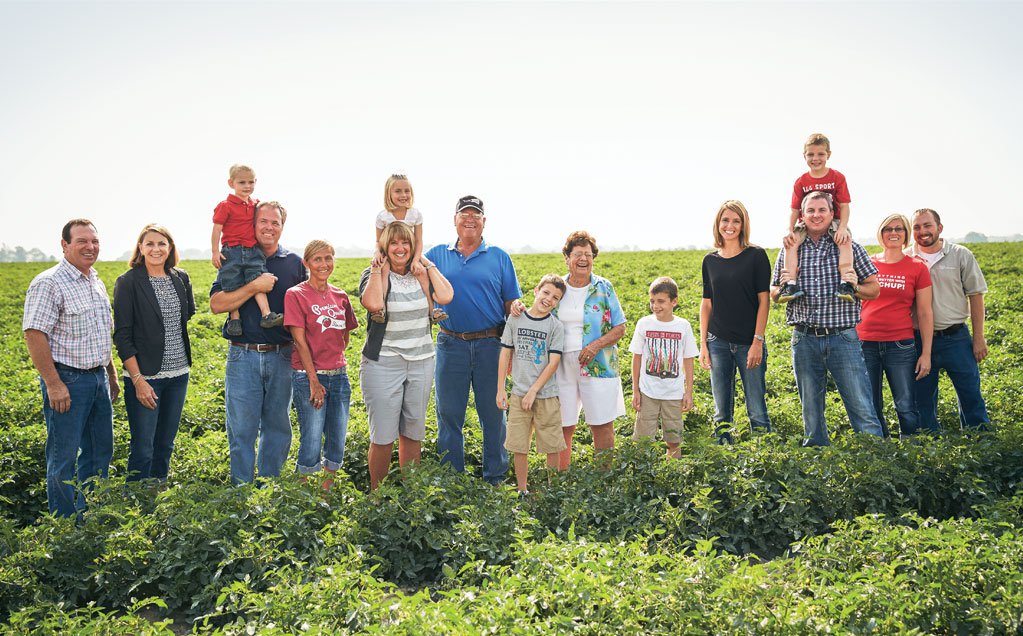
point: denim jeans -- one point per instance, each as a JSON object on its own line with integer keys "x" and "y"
{"x": 896, "y": 360}
{"x": 257, "y": 395}
{"x": 462, "y": 364}
{"x": 954, "y": 354}
{"x": 87, "y": 425}
{"x": 322, "y": 430}
{"x": 725, "y": 359}
{"x": 153, "y": 430}
{"x": 813, "y": 357}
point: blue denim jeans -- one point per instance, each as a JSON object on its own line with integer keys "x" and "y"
{"x": 463, "y": 364}
{"x": 322, "y": 430}
{"x": 896, "y": 360}
{"x": 813, "y": 357}
{"x": 257, "y": 395}
{"x": 153, "y": 430}
{"x": 87, "y": 425}
{"x": 725, "y": 359}
{"x": 954, "y": 354}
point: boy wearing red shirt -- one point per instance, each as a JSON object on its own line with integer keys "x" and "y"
{"x": 816, "y": 152}
{"x": 235, "y": 254}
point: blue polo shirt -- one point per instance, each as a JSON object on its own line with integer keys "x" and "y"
{"x": 483, "y": 283}
{"x": 290, "y": 271}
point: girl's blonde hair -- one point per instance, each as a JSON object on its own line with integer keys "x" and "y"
{"x": 391, "y": 180}
{"x": 740, "y": 209}
{"x": 137, "y": 259}
{"x": 901, "y": 218}
{"x": 315, "y": 246}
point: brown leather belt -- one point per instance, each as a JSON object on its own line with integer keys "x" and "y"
{"x": 493, "y": 332}
{"x": 261, "y": 348}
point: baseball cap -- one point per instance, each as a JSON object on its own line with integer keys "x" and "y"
{"x": 469, "y": 201}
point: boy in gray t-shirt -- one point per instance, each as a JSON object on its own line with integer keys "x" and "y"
{"x": 535, "y": 338}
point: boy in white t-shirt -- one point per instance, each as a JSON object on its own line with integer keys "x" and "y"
{"x": 663, "y": 348}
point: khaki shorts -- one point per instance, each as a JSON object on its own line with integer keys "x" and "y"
{"x": 669, "y": 412}
{"x": 545, "y": 417}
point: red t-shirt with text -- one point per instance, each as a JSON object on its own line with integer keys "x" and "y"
{"x": 239, "y": 220}
{"x": 887, "y": 317}
{"x": 833, "y": 183}
{"x": 327, "y": 318}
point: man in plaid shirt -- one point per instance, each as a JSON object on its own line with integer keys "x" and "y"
{"x": 67, "y": 324}
{"x": 824, "y": 337}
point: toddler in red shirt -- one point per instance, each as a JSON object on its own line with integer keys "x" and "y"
{"x": 820, "y": 178}
{"x": 237, "y": 257}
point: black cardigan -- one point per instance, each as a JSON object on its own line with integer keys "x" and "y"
{"x": 138, "y": 321}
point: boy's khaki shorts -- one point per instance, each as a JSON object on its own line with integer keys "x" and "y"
{"x": 545, "y": 417}
{"x": 669, "y": 412}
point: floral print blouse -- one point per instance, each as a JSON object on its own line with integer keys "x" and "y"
{"x": 601, "y": 313}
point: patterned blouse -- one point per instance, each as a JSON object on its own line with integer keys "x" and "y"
{"x": 601, "y": 313}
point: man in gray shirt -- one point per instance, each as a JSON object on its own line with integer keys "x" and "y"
{"x": 958, "y": 294}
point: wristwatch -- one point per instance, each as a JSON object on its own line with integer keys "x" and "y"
{"x": 757, "y": 336}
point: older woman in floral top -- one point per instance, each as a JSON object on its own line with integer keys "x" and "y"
{"x": 594, "y": 322}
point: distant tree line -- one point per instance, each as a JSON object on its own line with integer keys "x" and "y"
{"x": 19, "y": 254}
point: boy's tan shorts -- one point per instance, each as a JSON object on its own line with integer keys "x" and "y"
{"x": 669, "y": 412}
{"x": 545, "y": 417}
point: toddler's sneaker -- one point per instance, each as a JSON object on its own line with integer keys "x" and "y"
{"x": 272, "y": 319}
{"x": 234, "y": 327}
{"x": 438, "y": 315}
{"x": 789, "y": 292}
{"x": 378, "y": 316}
{"x": 846, "y": 292}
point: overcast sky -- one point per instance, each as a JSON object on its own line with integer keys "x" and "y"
{"x": 631, "y": 120}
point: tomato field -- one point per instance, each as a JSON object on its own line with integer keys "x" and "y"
{"x": 865, "y": 536}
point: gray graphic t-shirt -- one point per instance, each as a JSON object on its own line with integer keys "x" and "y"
{"x": 532, "y": 341}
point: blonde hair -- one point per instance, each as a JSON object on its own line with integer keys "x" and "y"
{"x": 391, "y": 180}
{"x": 901, "y": 218}
{"x": 740, "y": 209}
{"x": 397, "y": 230}
{"x": 817, "y": 139}
{"x": 138, "y": 260}
{"x": 238, "y": 169}
{"x": 314, "y": 246}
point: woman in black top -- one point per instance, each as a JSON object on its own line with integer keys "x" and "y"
{"x": 733, "y": 318}
{"x": 152, "y": 304}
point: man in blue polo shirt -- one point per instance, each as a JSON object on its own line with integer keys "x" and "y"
{"x": 824, "y": 338}
{"x": 469, "y": 342}
{"x": 257, "y": 384}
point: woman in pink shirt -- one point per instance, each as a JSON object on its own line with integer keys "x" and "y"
{"x": 320, "y": 317}
{"x": 886, "y": 328}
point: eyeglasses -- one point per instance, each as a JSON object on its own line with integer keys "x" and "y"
{"x": 470, "y": 214}
{"x": 893, "y": 230}
{"x": 580, "y": 255}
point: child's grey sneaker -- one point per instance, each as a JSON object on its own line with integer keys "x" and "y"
{"x": 378, "y": 316}
{"x": 234, "y": 327}
{"x": 272, "y": 319}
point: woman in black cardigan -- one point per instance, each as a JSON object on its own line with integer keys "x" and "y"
{"x": 152, "y": 304}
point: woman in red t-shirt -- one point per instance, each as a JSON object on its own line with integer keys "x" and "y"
{"x": 320, "y": 317}
{"x": 886, "y": 328}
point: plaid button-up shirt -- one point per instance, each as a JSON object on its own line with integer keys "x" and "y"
{"x": 819, "y": 279}
{"x": 73, "y": 310}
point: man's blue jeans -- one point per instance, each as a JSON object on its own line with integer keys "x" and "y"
{"x": 725, "y": 359}
{"x": 813, "y": 357}
{"x": 954, "y": 354}
{"x": 462, "y": 364}
{"x": 322, "y": 430}
{"x": 896, "y": 360}
{"x": 87, "y": 425}
{"x": 153, "y": 430}
{"x": 257, "y": 394}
